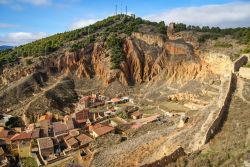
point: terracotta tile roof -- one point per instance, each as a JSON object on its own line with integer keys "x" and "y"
{"x": 21, "y": 136}
{"x": 84, "y": 139}
{"x": 45, "y": 143}
{"x": 59, "y": 128}
{"x": 71, "y": 141}
{"x": 35, "y": 133}
{"x": 100, "y": 129}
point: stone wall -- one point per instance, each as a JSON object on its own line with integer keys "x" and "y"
{"x": 167, "y": 159}
{"x": 244, "y": 72}
{"x": 221, "y": 114}
{"x": 226, "y": 95}
{"x": 242, "y": 60}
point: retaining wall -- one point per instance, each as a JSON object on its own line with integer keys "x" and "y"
{"x": 167, "y": 159}
{"x": 221, "y": 114}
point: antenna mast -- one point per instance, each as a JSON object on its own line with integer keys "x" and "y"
{"x": 121, "y": 8}
{"x": 116, "y": 9}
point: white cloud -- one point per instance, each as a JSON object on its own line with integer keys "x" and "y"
{"x": 4, "y": 2}
{"x": 19, "y": 38}
{"x": 82, "y": 23}
{"x": 37, "y": 2}
{"x": 224, "y": 15}
{"x": 5, "y": 25}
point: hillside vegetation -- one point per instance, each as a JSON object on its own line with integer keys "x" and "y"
{"x": 240, "y": 34}
{"x": 100, "y": 31}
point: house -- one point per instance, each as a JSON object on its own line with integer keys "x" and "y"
{"x": 81, "y": 117}
{"x": 99, "y": 130}
{"x": 84, "y": 140}
{"x": 136, "y": 115}
{"x": 3, "y": 158}
{"x": 21, "y": 136}
{"x": 71, "y": 142}
{"x": 46, "y": 147}
{"x": 59, "y": 129}
{"x": 23, "y": 143}
{"x": 24, "y": 148}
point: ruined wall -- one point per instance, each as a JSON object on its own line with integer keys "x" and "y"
{"x": 242, "y": 60}
{"x": 220, "y": 115}
{"x": 226, "y": 95}
{"x": 167, "y": 159}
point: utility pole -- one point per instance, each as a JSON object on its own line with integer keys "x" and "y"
{"x": 126, "y": 10}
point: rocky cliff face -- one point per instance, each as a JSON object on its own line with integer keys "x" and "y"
{"x": 147, "y": 56}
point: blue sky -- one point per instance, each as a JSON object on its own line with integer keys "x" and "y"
{"x": 22, "y": 21}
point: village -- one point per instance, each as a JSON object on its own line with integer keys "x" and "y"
{"x": 53, "y": 138}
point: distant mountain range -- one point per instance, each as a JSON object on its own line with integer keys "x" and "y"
{"x": 3, "y": 47}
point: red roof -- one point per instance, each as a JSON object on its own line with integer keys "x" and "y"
{"x": 21, "y": 136}
{"x": 71, "y": 141}
{"x": 59, "y": 128}
{"x": 35, "y": 133}
{"x": 100, "y": 129}
{"x": 84, "y": 139}
{"x": 45, "y": 143}
{"x": 81, "y": 115}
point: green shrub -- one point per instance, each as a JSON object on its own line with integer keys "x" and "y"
{"x": 29, "y": 62}
{"x": 115, "y": 43}
{"x": 202, "y": 38}
{"x": 247, "y": 65}
{"x": 29, "y": 162}
{"x": 246, "y": 50}
{"x": 222, "y": 45}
